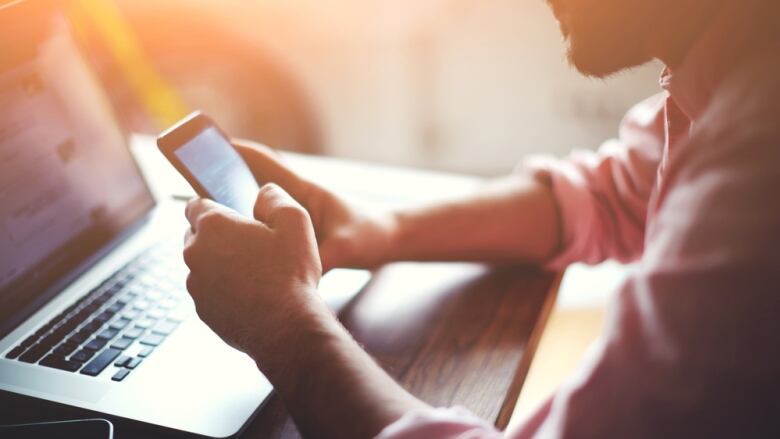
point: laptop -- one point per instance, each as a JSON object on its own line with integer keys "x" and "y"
{"x": 93, "y": 309}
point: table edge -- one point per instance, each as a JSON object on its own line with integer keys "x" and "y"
{"x": 513, "y": 393}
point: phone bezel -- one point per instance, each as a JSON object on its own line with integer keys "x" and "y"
{"x": 180, "y": 134}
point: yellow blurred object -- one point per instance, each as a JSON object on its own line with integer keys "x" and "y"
{"x": 572, "y": 328}
{"x": 159, "y": 99}
{"x": 566, "y": 338}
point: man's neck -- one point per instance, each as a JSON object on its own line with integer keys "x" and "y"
{"x": 683, "y": 27}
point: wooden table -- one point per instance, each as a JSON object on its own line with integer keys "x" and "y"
{"x": 452, "y": 334}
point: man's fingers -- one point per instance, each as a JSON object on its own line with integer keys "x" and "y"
{"x": 199, "y": 291}
{"x": 187, "y": 237}
{"x": 199, "y": 208}
{"x": 268, "y": 167}
{"x": 278, "y": 209}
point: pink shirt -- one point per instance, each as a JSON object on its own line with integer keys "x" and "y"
{"x": 690, "y": 190}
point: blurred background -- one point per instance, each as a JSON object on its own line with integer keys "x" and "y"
{"x": 456, "y": 85}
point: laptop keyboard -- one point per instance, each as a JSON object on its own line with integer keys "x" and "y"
{"x": 121, "y": 321}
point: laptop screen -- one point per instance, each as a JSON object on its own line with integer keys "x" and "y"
{"x": 68, "y": 184}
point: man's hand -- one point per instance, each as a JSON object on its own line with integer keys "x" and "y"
{"x": 243, "y": 269}
{"x": 347, "y": 235}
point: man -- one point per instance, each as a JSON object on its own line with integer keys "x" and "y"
{"x": 692, "y": 344}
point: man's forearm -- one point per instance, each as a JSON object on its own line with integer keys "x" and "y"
{"x": 512, "y": 219}
{"x": 329, "y": 384}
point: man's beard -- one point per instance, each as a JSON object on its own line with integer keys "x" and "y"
{"x": 606, "y": 36}
{"x": 600, "y": 56}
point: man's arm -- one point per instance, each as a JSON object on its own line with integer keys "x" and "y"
{"x": 589, "y": 207}
{"x": 511, "y": 219}
{"x": 514, "y": 219}
{"x": 329, "y": 384}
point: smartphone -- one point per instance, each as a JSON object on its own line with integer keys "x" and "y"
{"x": 82, "y": 429}
{"x": 202, "y": 153}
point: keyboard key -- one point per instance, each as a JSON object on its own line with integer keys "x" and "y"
{"x": 73, "y": 306}
{"x": 133, "y": 363}
{"x": 93, "y": 325}
{"x": 105, "y": 316}
{"x": 45, "y": 328}
{"x": 53, "y": 338}
{"x": 82, "y": 356}
{"x": 131, "y": 292}
{"x": 29, "y": 341}
{"x": 153, "y": 339}
{"x": 59, "y": 317}
{"x": 120, "y": 323}
{"x": 135, "y": 291}
{"x": 100, "y": 299}
{"x": 59, "y": 362}
{"x": 116, "y": 306}
{"x": 145, "y": 323}
{"x": 164, "y": 327}
{"x": 69, "y": 326}
{"x": 15, "y": 352}
{"x": 96, "y": 344}
{"x": 83, "y": 314}
{"x": 65, "y": 348}
{"x": 122, "y": 343}
{"x": 168, "y": 304}
{"x": 131, "y": 314}
{"x": 120, "y": 374}
{"x": 145, "y": 352}
{"x": 141, "y": 305}
{"x": 108, "y": 334}
{"x": 80, "y": 337}
{"x": 157, "y": 313}
{"x": 94, "y": 305}
{"x": 127, "y": 297}
{"x": 34, "y": 353}
{"x": 94, "y": 367}
{"x": 121, "y": 361}
{"x": 133, "y": 333}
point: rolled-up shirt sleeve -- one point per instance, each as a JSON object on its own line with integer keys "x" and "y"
{"x": 602, "y": 196}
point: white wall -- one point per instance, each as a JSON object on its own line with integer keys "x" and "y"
{"x": 462, "y": 85}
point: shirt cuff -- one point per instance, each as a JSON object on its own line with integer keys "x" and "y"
{"x": 439, "y": 423}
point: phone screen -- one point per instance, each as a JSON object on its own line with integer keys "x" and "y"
{"x": 220, "y": 169}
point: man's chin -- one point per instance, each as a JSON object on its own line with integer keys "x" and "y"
{"x": 601, "y": 61}
{"x": 587, "y": 66}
